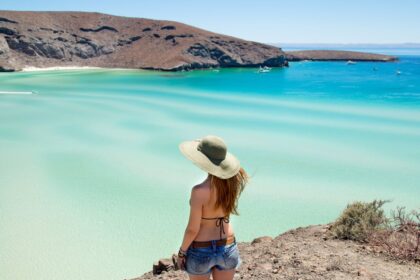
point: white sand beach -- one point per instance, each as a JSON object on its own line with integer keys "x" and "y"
{"x": 31, "y": 68}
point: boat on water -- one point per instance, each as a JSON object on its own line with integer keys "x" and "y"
{"x": 398, "y": 72}
{"x": 264, "y": 69}
{"x": 351, "y": 62}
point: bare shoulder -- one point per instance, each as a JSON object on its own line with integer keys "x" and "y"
{"x": 200, "y": 192}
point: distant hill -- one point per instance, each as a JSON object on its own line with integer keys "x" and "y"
{"x": 47, "y": 39}
{"x": 326, "y": 46}
{"x": 332, "y": 55}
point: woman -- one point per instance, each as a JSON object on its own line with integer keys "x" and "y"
{"x": 209, "y": 245}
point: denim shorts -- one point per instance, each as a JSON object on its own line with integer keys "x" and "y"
{"x": 201, "y": 260}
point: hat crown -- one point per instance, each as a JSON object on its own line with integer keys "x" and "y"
{"x": 214, "y": 148}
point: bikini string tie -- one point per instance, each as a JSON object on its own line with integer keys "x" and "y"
{"x": 219, "y": 223}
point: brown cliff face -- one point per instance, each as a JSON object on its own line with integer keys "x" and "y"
{"x": 46, "y": 39}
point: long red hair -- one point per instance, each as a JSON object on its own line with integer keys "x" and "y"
{"x": 229, "y": 190}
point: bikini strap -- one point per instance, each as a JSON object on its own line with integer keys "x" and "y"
{"x": 219, "y": 223}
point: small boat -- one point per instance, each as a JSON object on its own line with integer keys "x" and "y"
{"x": 398, "y": 72}
{"x": 375, "y": 69}
{"x": 350, "y": 62}
{"x": 264, "y": 69}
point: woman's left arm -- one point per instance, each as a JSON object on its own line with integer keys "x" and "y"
{"x": 196, "y": 207}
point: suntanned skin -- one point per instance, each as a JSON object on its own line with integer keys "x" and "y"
{"x": 202, "y": 202}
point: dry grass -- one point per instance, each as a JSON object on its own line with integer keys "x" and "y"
{"x": 398, "y": 236}
{"x": 401, "y": 237}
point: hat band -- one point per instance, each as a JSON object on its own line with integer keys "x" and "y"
{"x": 215, "y": 161}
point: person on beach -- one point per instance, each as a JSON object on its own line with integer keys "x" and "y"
{"x": 209, "y": 245}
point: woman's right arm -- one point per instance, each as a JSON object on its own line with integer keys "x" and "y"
{"x": 197, "y": 199}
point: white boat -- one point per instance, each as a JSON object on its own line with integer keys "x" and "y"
{"x": 398, "y": 72}
{"x": 264, "y": 69}
{"x": 350, "y": 62}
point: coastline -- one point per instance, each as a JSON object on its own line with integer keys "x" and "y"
{"x": 304, "y": 253}
{"x": 48, "y": 38}
{"x": 53, "y": 68}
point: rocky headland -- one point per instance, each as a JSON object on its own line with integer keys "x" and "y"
{"x": 51, "y": 39}
{"x": 84, "y": 39}
{"x": 305, "y": 253}
{"x": 331, "y": 55}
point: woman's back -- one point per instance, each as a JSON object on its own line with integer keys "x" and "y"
{"x": 214, "y": 222}
{"x": 209, "y": 245}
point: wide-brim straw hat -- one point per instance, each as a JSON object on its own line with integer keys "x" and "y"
{"x": 211, "y": 155}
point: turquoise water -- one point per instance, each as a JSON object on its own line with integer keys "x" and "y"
{"x": 92, "y": 185}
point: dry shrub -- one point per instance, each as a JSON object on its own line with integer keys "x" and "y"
{"x": 359, "y": 220}
{"x": 401, "y": 237}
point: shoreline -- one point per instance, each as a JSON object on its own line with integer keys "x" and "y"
{"x": 60, "y": 68}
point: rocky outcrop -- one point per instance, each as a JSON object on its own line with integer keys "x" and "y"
{"x": 304, "y": 253}
{"x": 330, "y": 55}
{"x": 47, "y": 39}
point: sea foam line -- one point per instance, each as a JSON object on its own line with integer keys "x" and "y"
{"x": 17, "y": 92}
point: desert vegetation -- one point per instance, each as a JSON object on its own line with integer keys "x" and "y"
{"x": 397, "y": 235}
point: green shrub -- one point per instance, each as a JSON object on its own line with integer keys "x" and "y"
{"x": 359, "y": 220}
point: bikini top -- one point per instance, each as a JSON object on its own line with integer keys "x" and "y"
{"x": 219, "y": 223}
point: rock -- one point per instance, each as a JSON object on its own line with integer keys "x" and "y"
{"x": 7, "y": 31}
{"x": 168, "y": 27}
{"x": 21, "y": 46}
{"x": 2, "y": 19}
{"x": 135, "y": 38}
{"x": 5, "y": 69}
{"x": 48, "y": 50}
{"x": 98, "y": 29}
{"x": 163, "y": 265}
{"x": 4, "y": 47}
{"x": 106, "y": 49}
{"x": 85, "y": 51}
{"x": 263, "y": 239}
{"x": 45, "y": 39}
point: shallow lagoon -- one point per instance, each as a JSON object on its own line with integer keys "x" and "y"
{"x": 92, "y": 185}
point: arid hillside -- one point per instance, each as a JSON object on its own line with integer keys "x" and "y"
{"x": 47, "y": 39}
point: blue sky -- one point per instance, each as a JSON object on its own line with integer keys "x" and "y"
{"x": 271, "y": 21}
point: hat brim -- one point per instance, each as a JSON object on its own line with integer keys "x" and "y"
{"x": 228, "y": 168}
